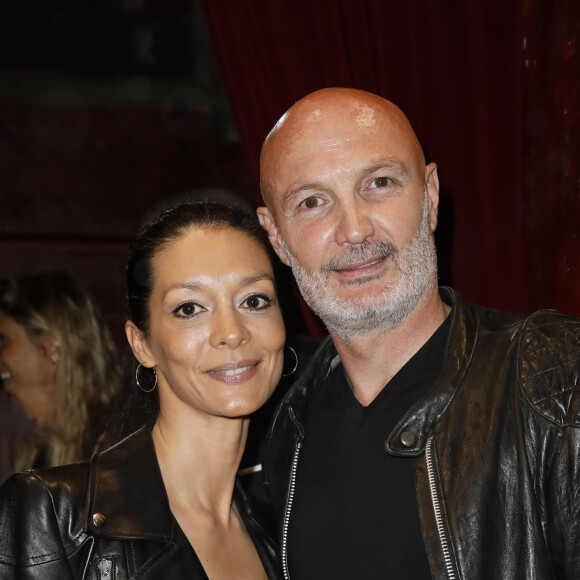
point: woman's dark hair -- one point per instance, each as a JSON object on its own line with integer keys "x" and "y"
{"x": 136, "y": 408}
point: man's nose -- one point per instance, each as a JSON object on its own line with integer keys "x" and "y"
{"x": 229, "y": 329}
{"x": 355, "y": 224}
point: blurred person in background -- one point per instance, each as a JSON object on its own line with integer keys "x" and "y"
{"x": 59, "y": 364}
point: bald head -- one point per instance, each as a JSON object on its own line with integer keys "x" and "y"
{"x": 328, "y": 118}
{"x": 351, "y": 207}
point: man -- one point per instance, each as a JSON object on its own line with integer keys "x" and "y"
{"x": 429, "y": 438}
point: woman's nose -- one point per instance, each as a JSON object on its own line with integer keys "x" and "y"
{"x": 229, "y": 330}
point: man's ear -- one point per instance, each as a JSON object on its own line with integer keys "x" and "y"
{"x": 267, "y": 222}
{"x": 432, "y": 187}
{"x": 138, "y": 344}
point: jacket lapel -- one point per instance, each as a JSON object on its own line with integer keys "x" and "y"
{"x": 421, "y": 419}
{"x": 127, "y": 498}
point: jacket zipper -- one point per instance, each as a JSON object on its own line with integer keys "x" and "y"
{"x": 437, "y": 509}
{"x": 289, "y": 501}
{"x": 105, "y": 567}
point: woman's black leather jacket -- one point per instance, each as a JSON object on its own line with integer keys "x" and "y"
{"x": 107, "y": 519}
{"x": 497, "y": 442}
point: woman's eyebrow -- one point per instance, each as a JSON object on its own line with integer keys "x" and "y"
{"x": 249, "y": 280}
{"x": 185, "y": 286}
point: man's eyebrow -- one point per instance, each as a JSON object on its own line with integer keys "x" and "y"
{"x": 388, "y": 163}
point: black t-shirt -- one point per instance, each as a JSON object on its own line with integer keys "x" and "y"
{"x": 355, "y": 513}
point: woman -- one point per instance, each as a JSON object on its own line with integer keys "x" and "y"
{"x": 207, "y": 333}
{"x": 59, "y": 364}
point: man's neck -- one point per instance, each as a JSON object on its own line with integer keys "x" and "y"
{"x": 371, "y": 361}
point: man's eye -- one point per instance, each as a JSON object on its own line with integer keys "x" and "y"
{"x": 257, "y": 302}
{"x": 381, "y": 181}
{"x": 310, "y": 202}
{"x": 187, "y": 310}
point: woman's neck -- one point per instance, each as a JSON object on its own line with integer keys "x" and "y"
{"x": 199, "y": 460}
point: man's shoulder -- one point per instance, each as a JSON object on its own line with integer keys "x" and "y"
{"x": 549, "y": 365}
{"x": 545, "y": 347}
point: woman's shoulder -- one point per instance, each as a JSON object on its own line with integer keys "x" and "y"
{"x": 69, "y": 480}
{"x": 63, "y": 492}
{"x": 41, "y": 511}
{"x": 58, "y": 489}
{"x": 65, "y": 480}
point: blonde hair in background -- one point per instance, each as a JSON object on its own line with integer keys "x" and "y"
{"x": 88, "y": 372}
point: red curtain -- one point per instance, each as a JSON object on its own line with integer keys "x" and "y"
{"x": 552, "y": 153}
{"x": 455, "y": 68}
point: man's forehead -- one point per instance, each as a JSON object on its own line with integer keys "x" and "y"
{"x": 310, "y": 118}
{"x": 332, "y": 139}
{"x": 359, "y": 113}
{"x": 331, "y": 120}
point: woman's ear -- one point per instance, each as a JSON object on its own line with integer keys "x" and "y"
{"x": 50, "y": 344}
{"x": 138, "y": 344}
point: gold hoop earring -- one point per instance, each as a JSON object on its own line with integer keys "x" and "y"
{"x": 295, "y": 363}
{"x": 139, "y": 384}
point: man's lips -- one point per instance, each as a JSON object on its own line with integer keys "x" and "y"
{"x": 368, "y": 264}
{"x": 234, "y": 372}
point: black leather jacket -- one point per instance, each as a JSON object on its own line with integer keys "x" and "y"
{"x": 109, "y": 519}
{"x": 497, "y": 442}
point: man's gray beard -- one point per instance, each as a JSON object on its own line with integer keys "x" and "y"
{"x": 416, "y": 264}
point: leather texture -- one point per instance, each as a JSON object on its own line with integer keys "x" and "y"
{"x": 108, "y": 519}
{"x": 503, "y": 421}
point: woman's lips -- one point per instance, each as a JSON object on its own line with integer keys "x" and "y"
{"x": 237, "y": 372}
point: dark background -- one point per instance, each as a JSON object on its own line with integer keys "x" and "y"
{"x": 110, "y": 106}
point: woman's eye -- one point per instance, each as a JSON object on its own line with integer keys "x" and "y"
{"x": 187, "y": 310}
{"x": 257, "y": 302}
{"x": 381, "y": 181}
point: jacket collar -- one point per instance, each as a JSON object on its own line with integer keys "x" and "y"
{"x": 411, "y": 433}
{"x": 127, "y": 498}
